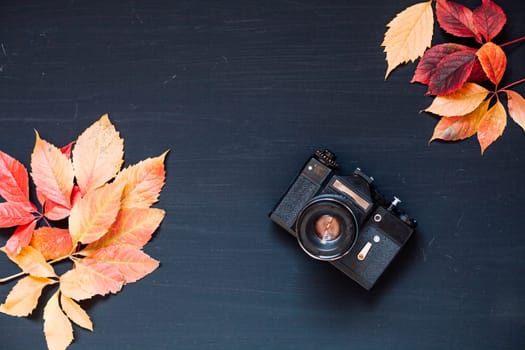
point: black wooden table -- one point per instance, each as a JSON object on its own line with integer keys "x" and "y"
{"x": 242, "y": 92}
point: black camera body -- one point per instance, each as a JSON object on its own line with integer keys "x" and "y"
{"x": 343, "y": 219}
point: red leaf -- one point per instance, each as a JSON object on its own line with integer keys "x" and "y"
{"x": 451, "y": 73}
{"x": 54, "y": 211}
{"x": 52, "y": 173}
{"x": 428, "y": 63}
{"x": 20, "y": 238}
{"x": 52, "y": 242}
{"x": 493, "y": 61}
{"x": 66, "y": 150}
{"x": 14, "y": 214}
{"x": 456, "y": 19}
{"x": 477, "y": 75}
{"x": 489, "y": 19}
{"x": 14, "y": 183}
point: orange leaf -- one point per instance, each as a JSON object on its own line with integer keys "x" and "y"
{"x": 408, "y": 35}
{"x": 132, "y": 263}
{"x": 142, "y": 182}
{"x": 75, "y": 312}
{"x": 492, "y": 125}
{"x": 493, "y": 61}
{"x": 23, "y": 298}
{"x": 52, "y": 172}
{"x": 516, "y": 104}
{"x": 13, "y": 214}
{"x": 32, "y": 262}
{"x": 97, "y": 156}
{"x": 14, "y": 182}
{"x": 91, "y": 277}
{"x": 459, "y": 103}
{"x": 52, "y": 242}
{"x": 133, "y": 227}
{"x": 93, "y": 214}
{"x": 57, "y": 328}
{"x": 20, "y": 238}
{"x": 459, "y": 128}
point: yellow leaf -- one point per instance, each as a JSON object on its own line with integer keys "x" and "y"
{"x": 133, "y": 227}
{"x": 52, "y": 172}
{"x": 142, "y": 182}
{"x": 516, "y": 104}
{"x": 32, "y": 262}
{"x": 492, "y": 125}
{"x": 91, "y": 277}
{"x": 98, "y": 155}
{"x": 75, "y": 312}
{"x": 409, "y": 34}
{"x": 459, "y": 128}
{"x": 57, "y": 328}
{"x": 23, "y": 298}
{"x": 93, "y": 214}
{"x": 132, "y": 263}
{"x": 461, "y": 102}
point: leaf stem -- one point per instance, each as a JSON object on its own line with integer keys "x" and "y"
{"x": 517, "y": 82}
{"x": 12, "y": 277}
{"x": 513, "y": 41}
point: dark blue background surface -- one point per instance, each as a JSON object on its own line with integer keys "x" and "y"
{"x": 242, "y": 92}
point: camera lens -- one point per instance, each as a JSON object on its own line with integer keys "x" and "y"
{"x": 326, "y": 228}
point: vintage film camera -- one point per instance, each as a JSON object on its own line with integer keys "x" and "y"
{"x": 343, "y": 219}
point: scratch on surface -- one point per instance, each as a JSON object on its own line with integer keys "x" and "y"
{"x": 431, "y": 242}
{"x": 76, "y": 111}
{"x": 449, "y": 256}
{"x": 424, "y": 255}
{"x": 4, "y": 50}
{"x": 458, "y": 223}
{"x": 225, "y": 59}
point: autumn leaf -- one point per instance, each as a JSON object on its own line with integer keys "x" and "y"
{"x": 489, "y": 19}
{"x": 20, "y": 238}
{"x": 409, "y": 34}
{"x": 93, "y": 214}
{"x": 451, "y": 73}
{"x": 131, "y": 262}
{"x": 91, "y": 277}
{"x": 493, "y": 61}
{"x": 14, "y": 182}
{"x": 97, "y": 155}
{"x": 109, "y": 220}
{"x": 456, "y": 19}
{"x": 516, "y": 105}
{"x": 462, "y": 127}
{"x": 23, "y": 298}
{"x": 459, "y": 103}
{"x": 492, "y": 125}
{"x": 13, "y": 214}
{"x": 75, "y": 313}
{"x": 133, "y": 227}
{"x": 52, "y": 172}
{"x": 142, "y": 182}
{"x": 57, "y": 328}
{"x": 32, "y": 262}
{"x": 432, "y": 57}
{"x": 52, "y": 242}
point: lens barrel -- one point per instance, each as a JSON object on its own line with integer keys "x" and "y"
{"x": 326, "y": 228}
